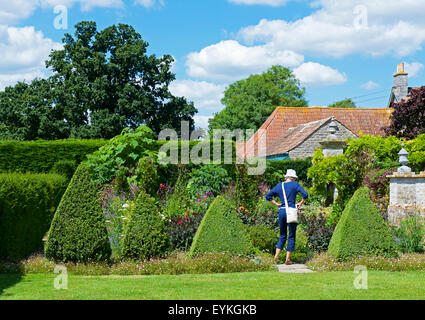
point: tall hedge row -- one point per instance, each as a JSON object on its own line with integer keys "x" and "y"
{"x": 40, "y": 156}
{"x": 27, "y": 207}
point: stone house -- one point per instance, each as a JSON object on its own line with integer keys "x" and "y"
{"x": 295, "y": 133}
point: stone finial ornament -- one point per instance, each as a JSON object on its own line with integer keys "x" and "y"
{"x": 404, "y": 159}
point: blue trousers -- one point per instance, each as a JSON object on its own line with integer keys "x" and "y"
{"x": 284, "y": 226}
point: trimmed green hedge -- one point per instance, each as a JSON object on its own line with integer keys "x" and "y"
{"x": 361, "y": 231}
{"x": 145, "y": 236}
{"x": 27, "y": 207}
{"x": 41, "y": 155}
{"x": 276, "y": 170}
{"x": 221, "y": 231}
{"x": 78, "y": 232}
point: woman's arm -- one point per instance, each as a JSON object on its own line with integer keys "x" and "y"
{"x": 304, "y": 194}
{"x": 273, "y": 193}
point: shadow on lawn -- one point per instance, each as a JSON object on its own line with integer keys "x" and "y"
{"x": 7, "y": 281}
{"x": 11, "y": 273}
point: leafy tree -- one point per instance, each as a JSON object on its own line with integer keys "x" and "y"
{"x": 102, "y": 82}
{"x": 408, "y": 117}
{"x": 248, "y": 103}
{"x": 346, "y": 103}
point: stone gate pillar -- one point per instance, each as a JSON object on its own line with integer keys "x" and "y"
{"x": 407, "y": 192}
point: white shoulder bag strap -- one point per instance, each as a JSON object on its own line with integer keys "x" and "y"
{"x": 291, "y": 213}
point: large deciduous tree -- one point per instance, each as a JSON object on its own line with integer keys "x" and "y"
{"x": 408, "y": 116}
{"x": 248, "y": 103}
{"x": 102, "y": 82}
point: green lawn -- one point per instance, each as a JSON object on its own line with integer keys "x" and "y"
{"x": 243, "y": 286}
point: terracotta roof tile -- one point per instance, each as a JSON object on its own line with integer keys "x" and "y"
{"x": 357, "y": 120}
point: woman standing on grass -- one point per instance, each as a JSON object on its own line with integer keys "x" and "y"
{"x": 292, "y": 188}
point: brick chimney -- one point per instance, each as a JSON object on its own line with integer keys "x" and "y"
{"x": 401, "y": 83}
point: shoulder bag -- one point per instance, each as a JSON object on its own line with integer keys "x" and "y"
{"x": 291, "y": 213}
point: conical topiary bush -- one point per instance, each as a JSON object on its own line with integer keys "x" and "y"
{"x": 78, "y": 231}
{"x": 145, "y": 235}
{"x": 221, "y": 231}
{"x": 361, "y": 231}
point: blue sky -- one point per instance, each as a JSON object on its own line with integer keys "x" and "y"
{"x": 337, "y": 48}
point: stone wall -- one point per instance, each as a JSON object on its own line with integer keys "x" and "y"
{"x": 307, "y": 148}
{"x": 407, "y": 196}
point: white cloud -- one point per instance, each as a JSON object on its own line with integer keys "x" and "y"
{"x": 313, "y": 74}
{"x": 202, "y": 121}
{"x": 393, "y": 27}
{"x": 370, "y": 85}
{"x": 15, "y": 10}
{"x": 273, "y": 3}
{"x": 23, "y": 53}
{"x": 11, "y": 79}
{"x": 150, "y": 3}
{"x": 413, "y": 68}
{"x": 206, "y": 95}
{"x": 229, "y": 60}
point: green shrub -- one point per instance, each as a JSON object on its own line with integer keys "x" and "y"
{"x": 40, "y": 156}
{"x": 65, "y": 168}
{"x": 409, "y": 235}
{"x": 121, "y": 153}
{"x": 276, "y": 170}
{"x": 208, "y": 177}
{"x": 178, "y": 202}
{"x": 221, "y": 231}
{"x": 27, "y": 206}
{"x": 416, "y": 150}
{"x": 263, "y": 238}
{"x": 361, "y": 230}
{"x": 145, "y": 235}
{"x": 78, "y": 232}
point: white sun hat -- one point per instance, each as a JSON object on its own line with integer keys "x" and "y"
{"x": 291, "y": 174}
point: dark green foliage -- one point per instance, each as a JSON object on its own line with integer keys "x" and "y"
{"x": 221, "y": 231}
{"x": 145, "y": 235}
{"x": 276, "y": 170}
{"x": 105, "y": 71}
{"x": 65, "y": 168}
{"x": 263, "y": 238}
{"x": 246, "y": 188}
{"x": 361, "y": 230}
{"x": 78, "y": 232}
{"x": 208, "y": 177}
{"x": 27, "y": 206}
{"x": 40, "y": 156}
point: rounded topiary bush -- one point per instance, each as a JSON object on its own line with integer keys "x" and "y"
{"x": 361, "y": 231}
{"x": 145, "y": 235}
{"x": 78, "y": 230}
{"x": 221, "y": 231}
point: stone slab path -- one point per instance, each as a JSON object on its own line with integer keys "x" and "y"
{"x": 294, "y": 268}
